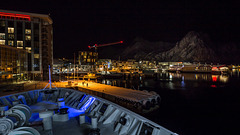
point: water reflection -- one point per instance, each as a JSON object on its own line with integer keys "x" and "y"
{"x": 235, "y": 72}
{"x": 174, "y": 81}
{"x": 194, "y": 77}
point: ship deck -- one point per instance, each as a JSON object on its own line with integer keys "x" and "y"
{"x": 71, "y": 126}
{"x": 85, "y": 114}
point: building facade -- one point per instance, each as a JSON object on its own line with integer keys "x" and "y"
{"x": 103, "y": 65}
{"x": 87, "y": 61}
{"x": 87, "y": 58}
{"x": 32, "y": 33}
{"x": 13, "y": 63}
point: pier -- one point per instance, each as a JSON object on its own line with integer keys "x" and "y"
{"x": 132, "y": 99}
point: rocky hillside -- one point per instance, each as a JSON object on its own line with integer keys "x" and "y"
{"x": 193, "y": 48}
{"x": 141, "y": 48}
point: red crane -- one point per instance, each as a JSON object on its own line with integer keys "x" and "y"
{"x": 101, "y": 45}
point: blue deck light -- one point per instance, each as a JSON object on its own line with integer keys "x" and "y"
{"x": 88, "y": 103}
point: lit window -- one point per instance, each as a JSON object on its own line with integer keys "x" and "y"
{"x": 29, "y": 49}
{"x": 2, "y": 35}
{"x": 10, "y": 30}
{"x": 81, "y": 53}
{"x": 2, "y": 42}
{"x": 19, "y": 43}
{"x": 28, "y": 38}
{"x": 88, "y": 60}
{"x": 95, "y": 54}
{"x": 9, "y": 69}
{"x": 28, "y": 31}
{"x": 10, "y": 36}
{"x": 36, "y": 56}
{"x": 84, "y": 57}
{"x": 10, "y": 42}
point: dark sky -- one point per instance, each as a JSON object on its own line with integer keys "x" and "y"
{"x": 78, "y": 24}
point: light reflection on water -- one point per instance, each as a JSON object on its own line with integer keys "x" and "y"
{"x": 174, "y": 81}
{"x": 197, "y": 77}
{"x": 202, "y": 99}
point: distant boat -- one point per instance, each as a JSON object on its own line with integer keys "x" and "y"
{"x": 223, "y": 69}
{"x": 107, "y": 74}
{"x": 90, "y": 76}
{"x": 188, "y": 69}
{"x": 174, "y": 68}
{"x": 204, "y": 69}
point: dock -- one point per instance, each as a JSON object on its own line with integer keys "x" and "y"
{"x": 132, "y": 99}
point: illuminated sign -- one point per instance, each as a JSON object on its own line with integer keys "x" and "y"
{"x": 14, "y": 16}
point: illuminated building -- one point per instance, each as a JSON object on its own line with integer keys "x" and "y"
{"x": 33, "y": 33}
{"x": 103, "y": 64}
{"x": 13, "y": 63}
{"x": 130, "y": 65}
{"x": 87, "y": 58}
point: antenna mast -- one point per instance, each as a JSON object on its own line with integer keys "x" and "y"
{"x": 50, "y": 82}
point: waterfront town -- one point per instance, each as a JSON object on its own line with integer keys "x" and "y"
{"x": 109, "y": 67}
{"x": 144, "y": 88}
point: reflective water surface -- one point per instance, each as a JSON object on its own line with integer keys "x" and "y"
{"x": 202, "y": 104}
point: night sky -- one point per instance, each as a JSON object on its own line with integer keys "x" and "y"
{"x": 82, "y": 23}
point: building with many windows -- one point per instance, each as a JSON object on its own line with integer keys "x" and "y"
{"x": 87, "y": 58}
{"x": 13, "y": 63}
{"x": 30, "y": 33}
{"x": 87, "y": 61}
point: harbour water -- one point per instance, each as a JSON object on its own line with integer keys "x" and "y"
{"x": 192, "y": 104}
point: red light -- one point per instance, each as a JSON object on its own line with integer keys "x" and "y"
{"x": 213, "y": 86}
{"x": 214, "y": 78}
{"x": 15, "y": 16}
{"x": 121, "y": 41}
{"x": 89, "y": 46}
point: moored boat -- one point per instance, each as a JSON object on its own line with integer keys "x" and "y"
{"x": 223, "y": 69}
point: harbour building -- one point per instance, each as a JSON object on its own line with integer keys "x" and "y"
{"x": 87, "y": 60}
{"x": 26, "y": 44}
{"x": 13, "y": 63}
